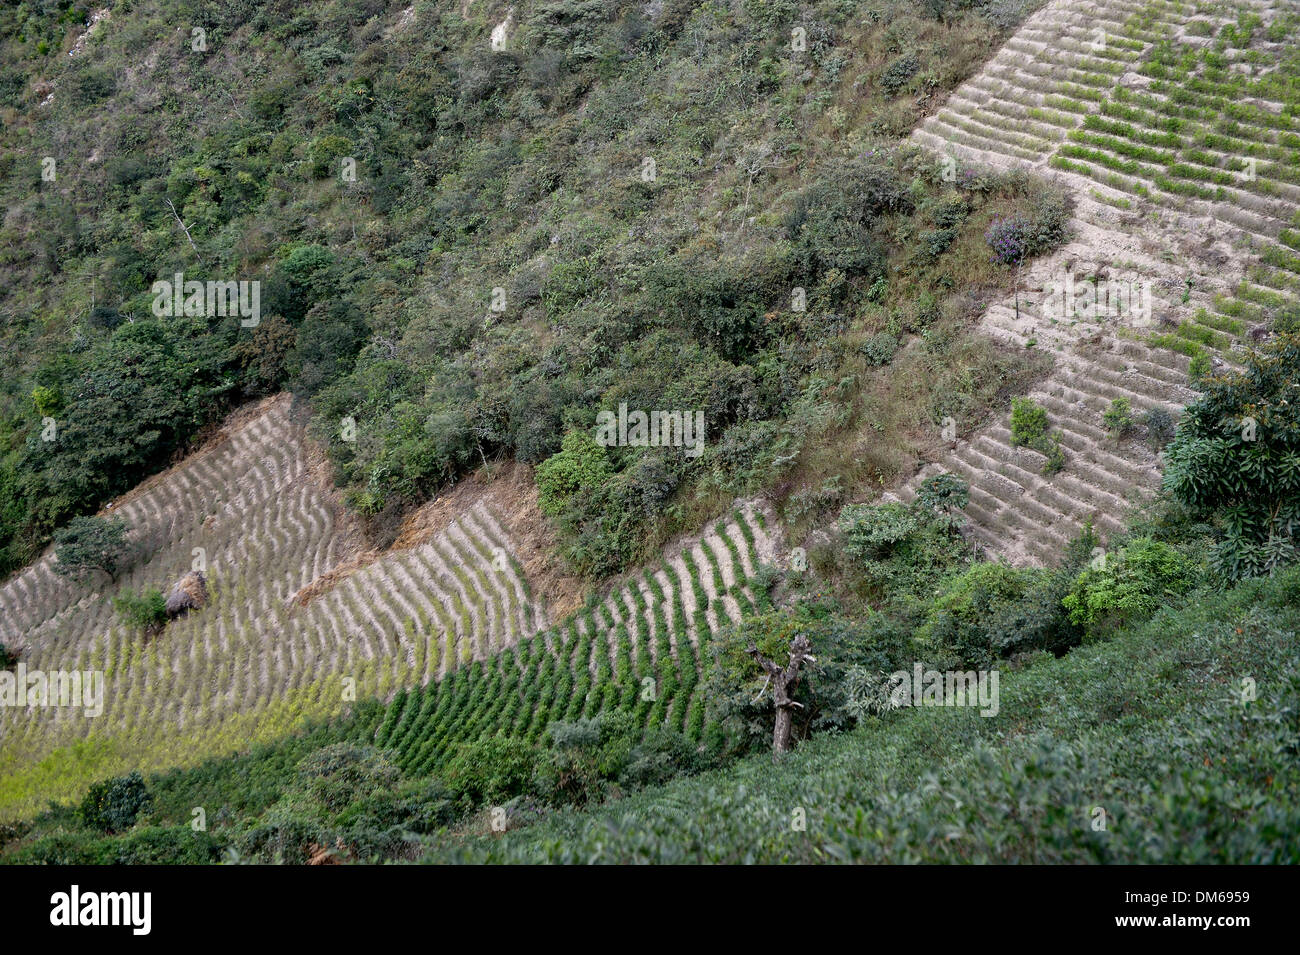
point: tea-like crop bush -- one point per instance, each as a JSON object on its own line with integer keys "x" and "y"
{"x": 1028, "y": 422}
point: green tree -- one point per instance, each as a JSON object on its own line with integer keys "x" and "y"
{"x": 1236, "y": 458}
{"x": 580, "y": 466}
{"x": 1128, "y": 586}
{"x": 943, "y": 494}
{"x": 90, "y": 544}
{"x": 1028, "y": 422}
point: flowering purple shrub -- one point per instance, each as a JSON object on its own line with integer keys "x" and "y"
{"x": 1008, "y": 238}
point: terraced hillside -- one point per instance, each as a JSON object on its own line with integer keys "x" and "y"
{"x": 642, "y": 649}
{"x": 275, "y": 647}
{"x": 1175, "y": 127}
{"x": 253, "y": 664}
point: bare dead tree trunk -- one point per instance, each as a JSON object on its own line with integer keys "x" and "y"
{"x": 184, "y": 228}
{"x": 1019, "y": 262}
{"x": 784, "y": 683}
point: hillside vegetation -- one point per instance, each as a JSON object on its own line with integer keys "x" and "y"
{"x": 429, "y": 612}
{"x": 512, "y": 179}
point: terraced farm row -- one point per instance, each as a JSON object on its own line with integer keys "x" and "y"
{"x": 259, "y": 661}
{"x": 642, "y": 649}
{"x": 252, "y": 664}
{"x": 1175, "y": 126}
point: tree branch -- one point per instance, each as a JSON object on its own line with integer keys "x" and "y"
{"x": 185, "y": 229}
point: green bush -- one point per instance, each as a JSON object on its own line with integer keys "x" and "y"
{"x": 1236, "y": 459}
{"x": 1160, "y": 426}
{"x": 943, "y": 494}
{"x": 491, "y": 771}
{"x": 1028, "y": 422}
{"x": 325, "y": 153}
{"x": 960, "y": 616}
{"x": 578, "y": 468}
{"x": 898, "y": 72}
{"x": 114, "y": 804}
{"x": 146, "y": 611}
{"x": 1119, "y": 417}
{"x": 1199, "y": 367}
{"x": 873, "y": 531}
{"x": 1129, "y": 586}
{"x": 1029, "y": 426}
{"x": 338, "y": 776}
{"x": 1053, "y": 452}
{"x": 879, "y": 349}
{"x": 586, "y": 757}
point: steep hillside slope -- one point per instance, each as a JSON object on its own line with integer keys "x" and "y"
{"x": 1174, "y": 127}
{"x": 1187, "y": 775}
{"x": 297, "y": 627}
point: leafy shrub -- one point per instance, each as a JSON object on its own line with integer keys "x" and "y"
{"x": 952, "y": 211}
{"x": 1029, "y": 429}
{"x": 1160, "y": 425}
{"x": 1236, "y": 457}
{"x": 146, "y": 611}
{"x": 114, "y": 804}
{"x": 1053, "y": 452}
{"x": 1012, "y": 239}
{"x": 579, "y": 467}
{"x": 872, "y": 531}
{"x": 898, "y": 72}
{"x": 1133, "y": 584}
{"x": 338, "y": 776}
{"x": 663, "y": 754}
{"x": 1028, "y": 422}
{"x": 832, "y": 221}
{"x": 490, "y": 771}
{"x": 879, "y": 349}
{"x": 943, "y": 494}
{"x": 48, "y": 401}
{"x": 325, "y": 152}
{"x": 898, "y": 549}
{"x": 1007, "y": 237}
{"x": 586, "y": 757}
{"x": 1119, "y": 417}
{"x": 1036, "y": 621}
{"x": 959, "y": 618}
{"x": 1198, "y": 368}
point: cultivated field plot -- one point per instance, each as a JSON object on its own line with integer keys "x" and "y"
{"x": 643, "y": 649}
{"x": 1176, "y": 127}
{"x": 256, "y": 663}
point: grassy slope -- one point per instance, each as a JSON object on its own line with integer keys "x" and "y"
{"x": 1148, "y": 725}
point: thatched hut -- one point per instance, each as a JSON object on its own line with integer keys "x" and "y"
{"x": 190, "y": 593}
